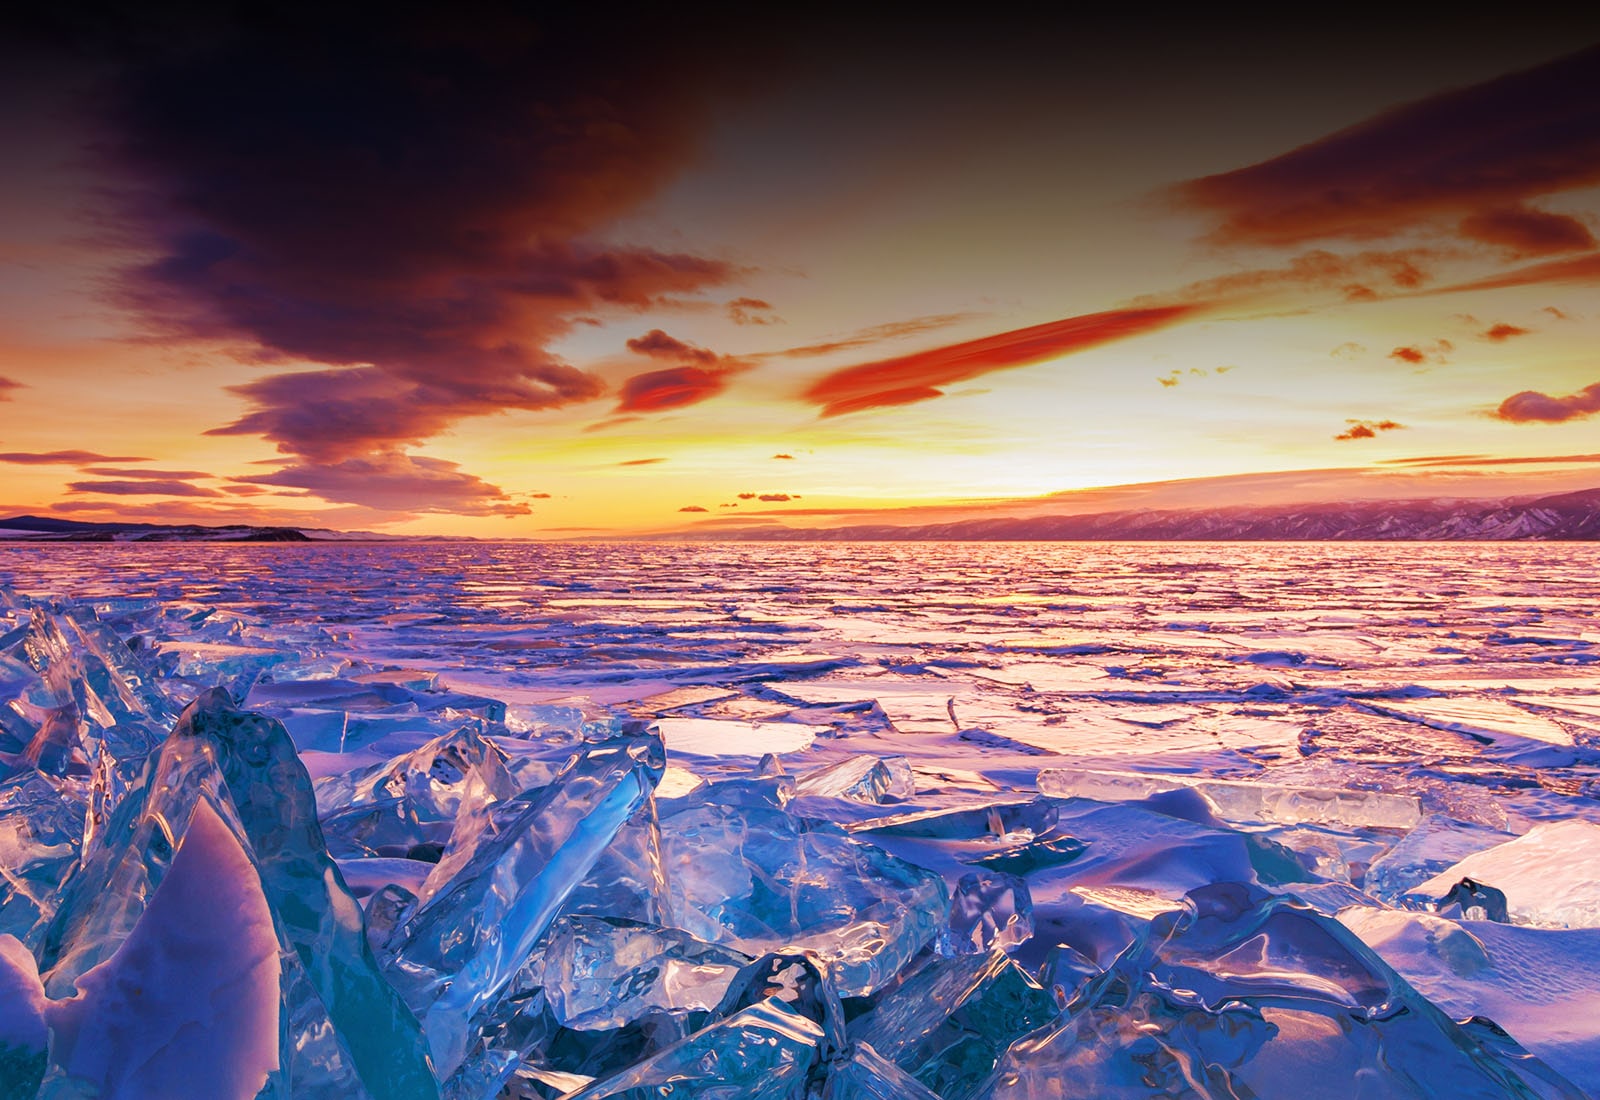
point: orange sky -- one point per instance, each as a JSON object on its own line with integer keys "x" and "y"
{"x": 476, "y": 275}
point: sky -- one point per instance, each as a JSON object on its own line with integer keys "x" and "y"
{"x": 495, "y": 272}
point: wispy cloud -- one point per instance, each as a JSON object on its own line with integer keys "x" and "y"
{"x": 151, "y": 488}
{"x": 64, "y": 458}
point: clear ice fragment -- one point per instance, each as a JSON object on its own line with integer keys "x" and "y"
{"x": 461, "y": 947}
{"x": 989, "y": 909}
{"x": 760, "y": 880}
{"x": 862, "y": 779}
{"x": 604, "y": 973}
{"x": 1238, "y": 800}
{"x": 188, "y": 1005}
{"x": 764, "y": 1052}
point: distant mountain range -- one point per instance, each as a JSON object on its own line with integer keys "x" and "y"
{"x": 1567, "y": 516}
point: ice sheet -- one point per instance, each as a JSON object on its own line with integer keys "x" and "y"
{"x": 855, "y": 740}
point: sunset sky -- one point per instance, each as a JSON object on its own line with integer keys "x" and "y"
{"x": 506, "y": 275}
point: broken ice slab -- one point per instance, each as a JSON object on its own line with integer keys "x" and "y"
{"x": 188, "y": 1006}
{"x": 760, "y": 880}
{"x": 989, "y": 910}
{"x": 1434, "y": 845}
{"x": 72, "y": 688}
{"x": 1242, "y": 994}
{"x": 603, "y": 973}
{"x": 456, "y": 953}
{"x": 344, "y": 1027}
{"x": 433, "y": 778}
{"x": 719, "y": 737}
{"x": 861, "y": 779}
{"x": 866, "y": 1075}
{"x": 1242, "y": 800}
{"x": 1550, "y": 875}
{"x": 948, "y": 1020}
{"x": 41, "y": 829}
{"x": 764, "y": 1052}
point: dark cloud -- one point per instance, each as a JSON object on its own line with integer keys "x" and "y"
{"x": 1503, "y": 331}
{"x": 752, "y": 311}
{"x": 1558, "y": 314}
{"x": 692, "y": 508}
{"x": 641, "y": 462}
{"x": 64, "y": 458}
{"x": 700, "y": 375}
{"x": 164, "y": 475}
{"x": 328, "y": 416}
{"x": 669, "y": 388}
{"x": 1478, "y": 153}
{"x": 1533, "y": 406}
{"x": 7, "y": 385}
{"x": 1525, "y": 231}
{"x": 1367, "y": 429}
{"x": 790, "y": 457}
{"x": 658, "y": 345}
{"x": 747, "y": 496}
{"x": 916, "y": 377}
{"x": 773, "y": 498}
{"x": 420, "y": 202}
{"x": 394, "y": 482}
{"x": 142, "y": 488}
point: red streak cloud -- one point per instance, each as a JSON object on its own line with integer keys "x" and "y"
{"x": 907, "y": 379}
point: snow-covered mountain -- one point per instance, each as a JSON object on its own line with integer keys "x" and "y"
{"x": 1566, "y": 516}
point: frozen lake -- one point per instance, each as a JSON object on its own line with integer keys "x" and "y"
{"x": 1074, "y": 741}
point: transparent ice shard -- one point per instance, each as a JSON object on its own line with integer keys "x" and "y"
{"x": 989, "y": 909}
{"x": 1243, "y": 994}
{"x": 764, "y": 1052}
{"x": 461, "y": 947}
{"x": 1238, "y": 800}
{"x": 1434, "y": 845}
{"x": 760, "y": 880}
{"x": 72, "y": 689}
{"x": 41, "y": 827}
{"x": 603, "y": 973}
{"x": 862, "y": 779}
{"x": 188, "y": 1006}
{"x": 866, "y": 1075}
{"x": 432, "y": 779}
{"x": 346, "y": 1032}
{"x": 949, "y": 1020}
{"x": 1550, "y": 875}
{"x": 319, "y": 915}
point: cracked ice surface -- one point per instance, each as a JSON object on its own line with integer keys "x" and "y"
{"x": 799, "y": 820}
